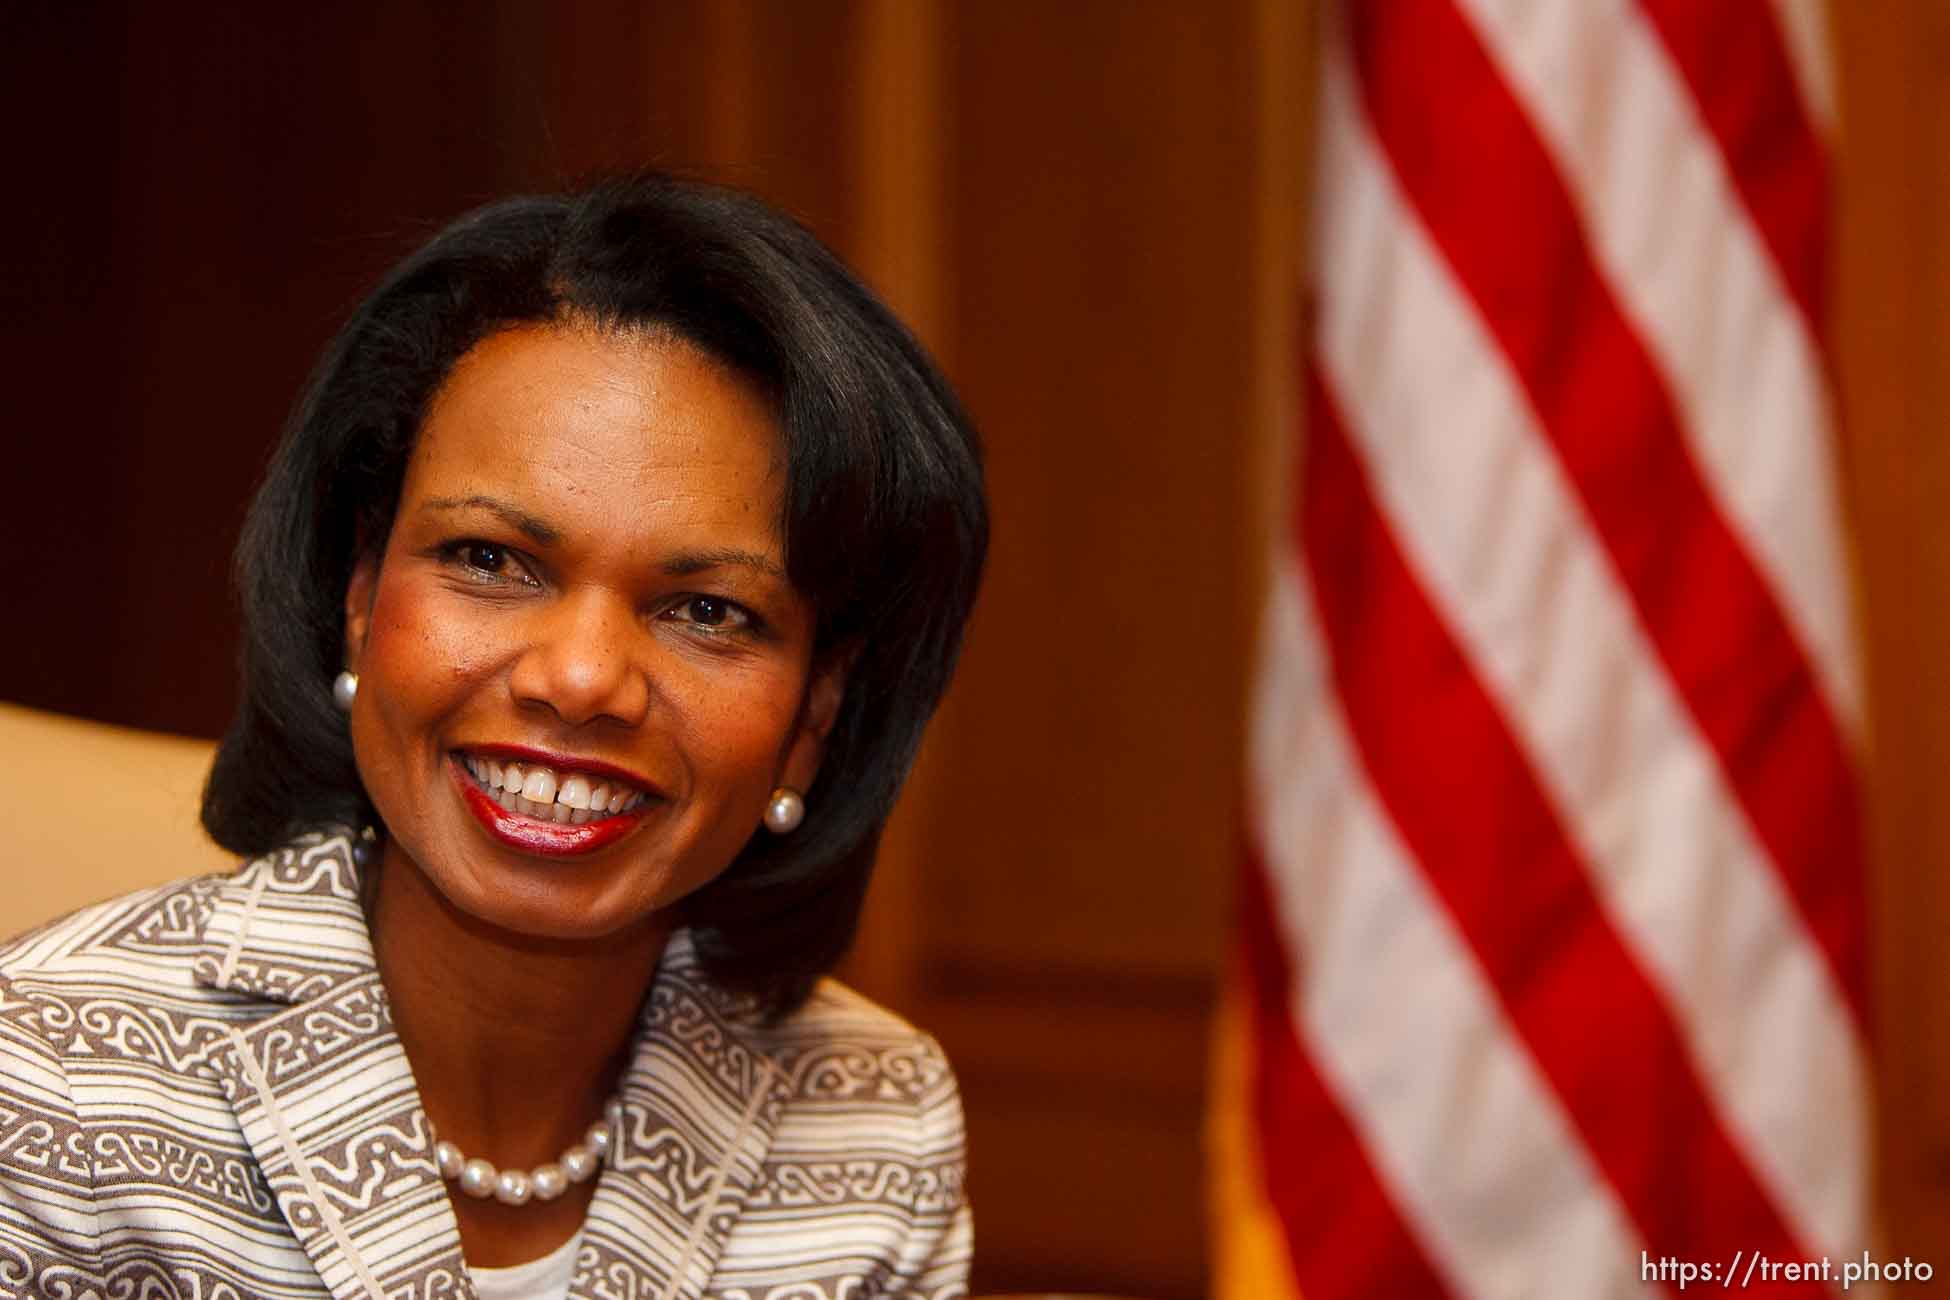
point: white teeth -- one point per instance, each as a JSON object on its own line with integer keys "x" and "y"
{"x": 538, "y": 792}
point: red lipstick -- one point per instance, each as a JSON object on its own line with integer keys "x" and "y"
{"x": 551, "y": 839}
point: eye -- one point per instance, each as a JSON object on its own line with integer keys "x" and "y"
{"x": 488, "y": 560}
{"x": 485, "y": 556}
{"x": 712, "y": 612}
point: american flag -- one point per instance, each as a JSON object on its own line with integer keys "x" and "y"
{"x": 1553, "y": 920}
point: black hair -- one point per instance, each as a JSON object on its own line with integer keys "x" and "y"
{"x": 886, "y": 522}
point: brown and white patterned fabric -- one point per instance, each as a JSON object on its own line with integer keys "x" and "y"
{"x": 202, "y": 1096}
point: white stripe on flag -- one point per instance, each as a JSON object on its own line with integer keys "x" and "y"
{"x": 1804, "y": 33}
{"x": 1477, "y": 499}
{"x": 1688, "y": 268}
{"x": 1397, "y": 1018}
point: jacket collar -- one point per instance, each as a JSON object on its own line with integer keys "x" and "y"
{"x": 287, "y": 927}
{"x": 327, "y": 1102}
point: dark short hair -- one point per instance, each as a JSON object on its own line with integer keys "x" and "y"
{"x": 886, "y": 522}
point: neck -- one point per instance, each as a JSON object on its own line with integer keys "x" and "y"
{"x": 515, "y": 1043}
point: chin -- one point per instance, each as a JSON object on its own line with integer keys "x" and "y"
{"x": 555, "y": 916}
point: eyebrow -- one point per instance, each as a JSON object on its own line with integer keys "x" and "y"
{"x": 679, "y": 565}
{"x": 531, "y": 527}
{"x": 689, "y": 562}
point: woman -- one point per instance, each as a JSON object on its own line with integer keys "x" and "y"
{"x": 594, "y": 604}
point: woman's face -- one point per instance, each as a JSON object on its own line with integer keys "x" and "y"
{"x": 582, "y": 669}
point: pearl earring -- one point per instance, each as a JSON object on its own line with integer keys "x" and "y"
{"x": 786, "y": 811}
{"x": 344, "y": 687}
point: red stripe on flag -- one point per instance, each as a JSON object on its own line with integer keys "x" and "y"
{"x": 1493, "y": 201}
{"x": 1344, "y": 1235}
{"x": 1465, "y": 802}
{"x": 1734, "y": 60}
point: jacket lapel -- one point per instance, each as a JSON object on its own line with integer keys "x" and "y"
{"x": 327, "y": 1102}
{"x": 701, "y": 1099}
{"x": 321, "y": 1086}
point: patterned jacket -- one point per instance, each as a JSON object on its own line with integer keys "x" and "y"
{"x": 201, "y": 1095}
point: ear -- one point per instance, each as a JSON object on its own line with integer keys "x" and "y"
{"x": 359, "y": 592}
{"x": 822, "y": 709}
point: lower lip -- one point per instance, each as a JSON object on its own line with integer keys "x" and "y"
{"x": 531, "y": 835}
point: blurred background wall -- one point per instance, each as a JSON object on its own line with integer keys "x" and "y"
{"x": 1090, "y": 211}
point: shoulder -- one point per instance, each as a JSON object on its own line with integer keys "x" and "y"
{"x": 865, "y": 1087}
{"x": 110, "y": 981}
{"x": 145, "y": 929}
{"x": 872, "y": 1128}
{"x": 134, "y": 941}
{"x": 68, "y": 995}
{"x": 836, "y": 1047}
{"x": 840, "y": 1043}
{"x": 835, "y": 1013}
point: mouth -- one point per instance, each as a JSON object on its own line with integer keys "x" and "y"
{"x": 551, "y": 808}
{"x": 561, "y": 795}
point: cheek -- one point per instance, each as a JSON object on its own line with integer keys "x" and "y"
{"x": 744, "y": 733}
{"x": 419, "y": 646}
{"x": 416, "y": 632}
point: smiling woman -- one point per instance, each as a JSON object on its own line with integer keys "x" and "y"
{"x": 586, "y": 581}
{"x": 595, "y": 601}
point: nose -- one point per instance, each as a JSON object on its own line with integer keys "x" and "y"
{"x": 582, "y": 661}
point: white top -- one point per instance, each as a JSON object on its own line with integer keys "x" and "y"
{"x": 546, "y": 1278}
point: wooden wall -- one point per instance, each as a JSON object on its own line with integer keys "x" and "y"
{"x": 1089, "y": 210}
{"x": 1892, "y": 347}
{"x": 1079, "y": 825}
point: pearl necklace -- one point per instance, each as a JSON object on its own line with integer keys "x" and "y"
{"x": 578, "y": 1164}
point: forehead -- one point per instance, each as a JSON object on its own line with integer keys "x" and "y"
{"x": 593, "y": 429}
